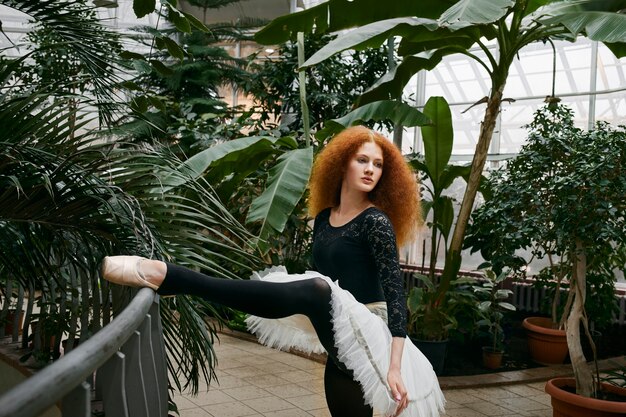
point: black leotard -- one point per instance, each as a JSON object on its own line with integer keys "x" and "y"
{"x": 362, "y": 255}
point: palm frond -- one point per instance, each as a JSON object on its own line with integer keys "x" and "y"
{"x": 77, "y": 27}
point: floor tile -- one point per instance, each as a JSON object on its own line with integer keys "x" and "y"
{"x": 308, "y": 402}
{"x": 246, "y": 393}
{"x": 548, "y": 412}
{"x": 228, "y": 381}
{"x": 523, "y": 390}
{"x": 461, "y": 396}
{"x": 276, "y": 367}
{"x": 265, "y": 381}
{"x": 183, "y": 403}
{"x": 463, "y": 412}
{"x": 266, "y": 404}
{"x": 451, "y": 404}
{"x": 210, "y": 397}
{"x": 288, "y": 390}
{"x": 255, "y": 360}
{"x": 232, "y": 409}
{"x": 244, "y": 371}
{"x": 292, "y": 412}
{"x": 226, "y": 363}
{"x": 488, "y": 409}
{"x": 521, "y": 404}
{"x": 493, "y": 394}
{"x": 194, "y": 412}
{"x": 295, "y": 376}
{"x": 315, "y": 385}
{"x": 320, "y": 412}
{"x": 544, "y": 399}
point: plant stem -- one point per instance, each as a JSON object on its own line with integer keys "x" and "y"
{"x": 302, "y": 85}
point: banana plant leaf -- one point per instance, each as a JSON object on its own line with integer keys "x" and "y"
{"x": 285, "y": 186}
{"x": 335, "y": 15}
{"x": 226, "y": 155}
{"x": 476, "y": 11}
{"x": 437, "y": 137}
{"x": 375, "y": 34}
{"x": 401, "y": 114}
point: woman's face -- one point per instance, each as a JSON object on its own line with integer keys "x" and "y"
{"x": 364, "y": 168}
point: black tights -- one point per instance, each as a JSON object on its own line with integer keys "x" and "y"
{"x": 310, "y": 297}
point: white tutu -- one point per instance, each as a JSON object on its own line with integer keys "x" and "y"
{"x": 363, "y": 342}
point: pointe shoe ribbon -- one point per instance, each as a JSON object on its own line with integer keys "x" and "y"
{"x": 125, "y": 270}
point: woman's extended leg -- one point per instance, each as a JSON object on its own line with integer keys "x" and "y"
{"x": 310, "y": 297}
{"x": 260, "y": 298}
{"x": 343, "y": 394}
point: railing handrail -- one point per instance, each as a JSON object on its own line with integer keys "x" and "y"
{"x": 44, "y": 389}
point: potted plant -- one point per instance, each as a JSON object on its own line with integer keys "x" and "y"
{"x": 430, "y": 322}
{"x": 431, "y": 315}
{"x": 492, "y": 305}
{"x": 563, "y": 197}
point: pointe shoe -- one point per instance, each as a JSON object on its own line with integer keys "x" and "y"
{"x": 125, "y": 270}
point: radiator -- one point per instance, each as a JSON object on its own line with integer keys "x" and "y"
{"x": 527, "y": 298}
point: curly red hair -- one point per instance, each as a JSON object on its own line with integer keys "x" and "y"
{"x": 396, "y": 193}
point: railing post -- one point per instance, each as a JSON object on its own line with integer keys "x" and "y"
{"x": 77, "y": 403}
{"x": 150, "y": 378}
{"x": 135, "y": 387}
{"x": 158, "y": 349}
{"x": 110, "y": 378}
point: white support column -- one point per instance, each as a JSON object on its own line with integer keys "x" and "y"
{"x": 420, "y": 102}
{"x": 234, "y": 85}
{"x": 593, "y": 66}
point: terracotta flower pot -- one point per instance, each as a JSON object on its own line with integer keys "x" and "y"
{"x": 10, "y": 318}
{"x": 492, "y": 359}
{"x": 548, "y": 346}
{"x": 569, "y": 404}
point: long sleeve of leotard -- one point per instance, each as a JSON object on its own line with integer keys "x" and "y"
{"x": 382, "y": 241}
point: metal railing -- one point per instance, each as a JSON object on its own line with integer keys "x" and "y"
{"x": 125, "y": 359}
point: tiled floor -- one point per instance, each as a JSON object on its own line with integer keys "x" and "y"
{"x": 258, "y": 381}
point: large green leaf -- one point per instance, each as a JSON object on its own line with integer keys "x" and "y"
{"x": 179, "y": 19}
{"x": 401, "y": 114}
{"x": 335, "y": 15}
{"x": 599, "y": 20}
{"x": 477, "y": 11}
{"x": 618, "y": 49}
{"x": 438, "y": 137}
{"x": 375, "y": 34}
{"x": 391, "y": 85}
{"x": 445, "y": 215}
{"x": 285, "y": 186}
{"x": 371, "y": 36}
{"x": 240, "y": 161}
{"x": 236, "y": 151}
{"x": 598, "y": 26}
{"x": 453, "y": 172}
{"x": 533, "y": 5}
{"x": 464, "y": 38}
{"x": 425, "y": 205}
{"x": 143, "y": 7}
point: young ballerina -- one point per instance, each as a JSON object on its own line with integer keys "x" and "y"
{"x": 363, "y": 195}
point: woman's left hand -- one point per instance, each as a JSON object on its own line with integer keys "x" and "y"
{"x": 398, "y": 391}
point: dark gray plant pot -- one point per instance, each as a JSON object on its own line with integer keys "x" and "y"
{"x": 435, "y": 352}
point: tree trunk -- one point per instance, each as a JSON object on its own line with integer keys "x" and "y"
{"x": 453, "y": 258}
{"x": 582, "y": 372}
